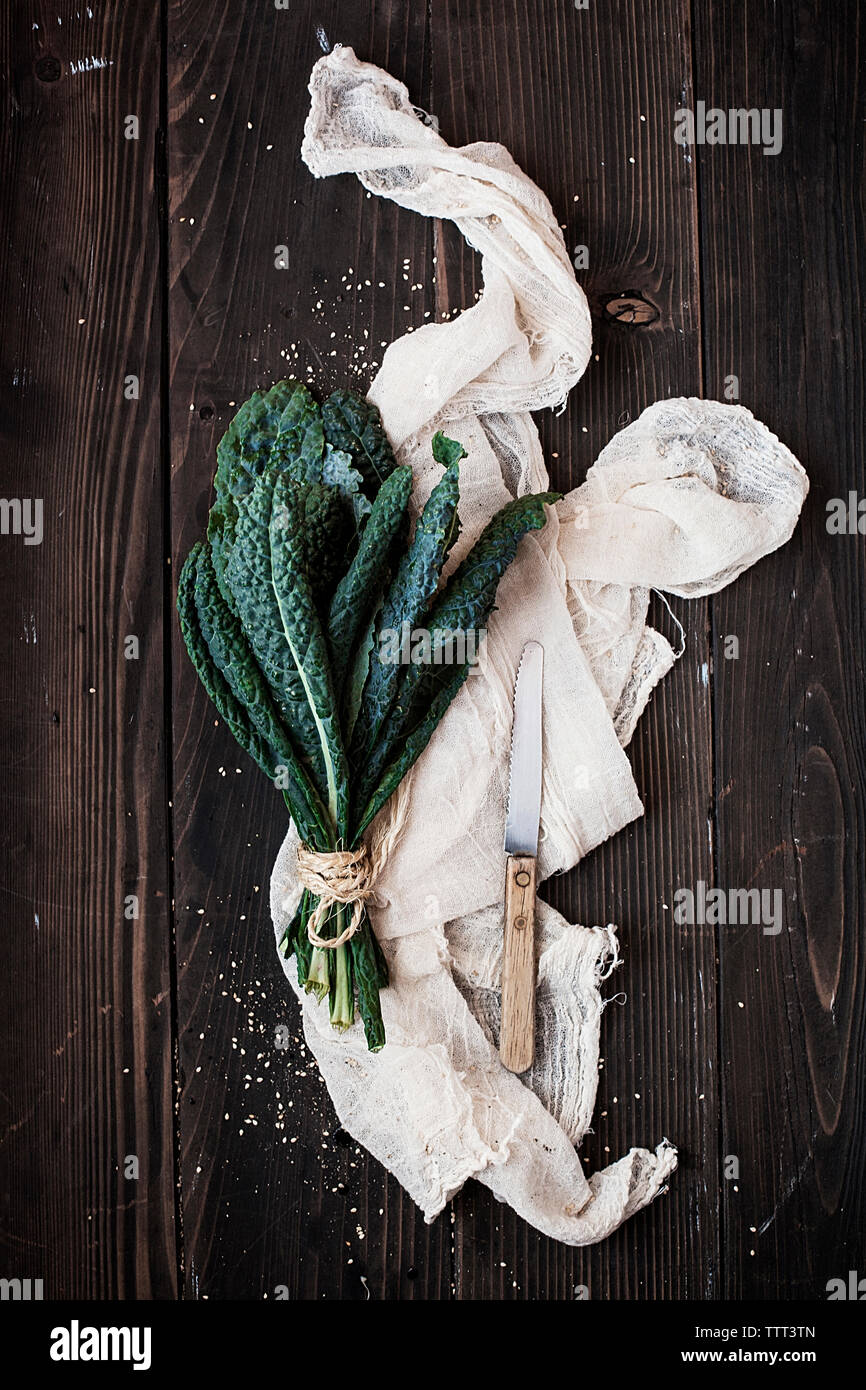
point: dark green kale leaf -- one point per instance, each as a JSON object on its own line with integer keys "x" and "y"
{"x": 234, "y": 713}
{"x": 230, "y": 651}
{"x": 339, "y": 472}
{"x": 405, "y": 604}
{"x": 355, "y": 426}
{"x": 299, "y": 442}
{"x": 244, "y": 451}
{"x": 360, "y": 590}
{"x": 426, "y": 690}
{"x": 328, "y": 533}
{"x": 268, "y": 577}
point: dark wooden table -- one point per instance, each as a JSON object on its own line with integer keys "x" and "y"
{"x": 153, "y": 1035}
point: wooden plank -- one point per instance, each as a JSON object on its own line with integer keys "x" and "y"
{"x": 86, "y": 1019}
{"x": 783, "y": 286}
{"x": 576, "y": 95}
{"x": 275, "y": 1195}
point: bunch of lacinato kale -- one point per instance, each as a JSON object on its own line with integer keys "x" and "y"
{"x": 289, "y": 608}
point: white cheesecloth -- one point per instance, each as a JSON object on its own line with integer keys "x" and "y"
{"x": 682, "y": 500}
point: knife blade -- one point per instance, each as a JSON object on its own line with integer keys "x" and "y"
{"x": 517, "y": 1029}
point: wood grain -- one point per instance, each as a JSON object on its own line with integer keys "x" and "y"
{"x": 155, "y": 257}
{"x": 783, "y": 287}
{"x": 86, "y": 1006}
{"x": 517, "y": 1031}
{"x": 565, "y": 91}
{"x": 276, "y": 1197}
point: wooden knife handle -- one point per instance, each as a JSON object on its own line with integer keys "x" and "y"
{"x": 517, "y": 1031}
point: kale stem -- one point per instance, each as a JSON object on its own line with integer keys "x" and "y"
{"x": 343, "y": 995}
{"x": 288, "y": 940}
{"x": 301, "y": 942}
{"x": 317, "y": 975}
{"x": 371, "y": 974}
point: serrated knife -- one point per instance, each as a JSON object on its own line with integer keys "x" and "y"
{"x": 517, "y": 1029}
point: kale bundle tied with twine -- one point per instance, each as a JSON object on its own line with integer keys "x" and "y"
{"x": 285, "y": 608}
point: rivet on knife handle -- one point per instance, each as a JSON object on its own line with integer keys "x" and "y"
{"x": 517, "y": 1029}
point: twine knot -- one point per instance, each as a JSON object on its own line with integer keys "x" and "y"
{"x": 336, "y": 876}
{"x": 349, "y": 875}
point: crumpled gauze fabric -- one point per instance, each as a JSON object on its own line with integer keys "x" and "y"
{"x": 683, "y": 500}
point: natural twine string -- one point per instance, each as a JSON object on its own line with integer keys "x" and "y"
{"x": 335, "y": 876}
{"x": 349, "y": 875}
